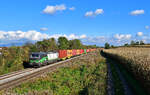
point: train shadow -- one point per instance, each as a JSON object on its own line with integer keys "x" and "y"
{"x": 26, "y": 65}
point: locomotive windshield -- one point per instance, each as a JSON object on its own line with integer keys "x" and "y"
{"x": 35, "y": 55}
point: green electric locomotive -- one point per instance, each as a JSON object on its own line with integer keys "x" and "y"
{"x": 38, "y": 59}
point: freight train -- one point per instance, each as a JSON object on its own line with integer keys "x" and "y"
{"x": 38, "y": 59}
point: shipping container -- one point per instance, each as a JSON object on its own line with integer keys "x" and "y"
{"x": 78, "y": 52}
{"x": 84, "y": 50}
{"x": 74, "y": 52}
{"x": 69, "y": 53}
{"x": 87, "y": 50}
{"x": 81, "y": 51}
{"x": 62, "y": 54}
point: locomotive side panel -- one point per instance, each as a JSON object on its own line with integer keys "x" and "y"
{"x": 52, "y": 55}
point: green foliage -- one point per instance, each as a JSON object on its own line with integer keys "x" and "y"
{"x": 126, "y": 44}
{"x": 63, "y": 43}
{"x": 136, "y": 43}
{"x": 47, "y": 45}
{"x": 132, "y": 43}
{"x": 107, "y": 46}
{"x": 75, "y": 44}
{"x": 51, "y": 45}
{"x": 141, "y": 42}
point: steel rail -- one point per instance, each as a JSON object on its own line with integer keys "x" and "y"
{"x": 14, "y": 73}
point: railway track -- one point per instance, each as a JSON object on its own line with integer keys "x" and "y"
{"x": 15, "y": 78}
{"x": 5, "y": 76}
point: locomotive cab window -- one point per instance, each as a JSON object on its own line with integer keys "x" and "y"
{"x": 35, "y": 55}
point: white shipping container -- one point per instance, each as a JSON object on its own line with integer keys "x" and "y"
{"x": 52, "y": 55}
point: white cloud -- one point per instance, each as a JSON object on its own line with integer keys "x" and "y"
{"x": 34, "y": 35}
{"x": 72, "y": 8}
{"x": 139, "y": 34}
{"x": 92, "y": 14}
{"x": 43, "y": 29}
{"x": 137, "y": 12}
{"x": 122, "y": 36}
{"x": 89, "y": 13}
{"x": 70, "y": 37}
{"x": 99, "y": 11}
{"x": 9, "y": 37}
{"x": 52, "y": 9}
{"x": 147, "y": 27}
{"x": 17, "y": 35}
{"x": 83, "y": 36}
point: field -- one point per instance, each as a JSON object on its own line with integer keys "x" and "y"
{"x": 135, "y": 60}
{"x": 85, "y": 76}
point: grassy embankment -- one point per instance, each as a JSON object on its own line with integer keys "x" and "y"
{"x": 86, "y": 76}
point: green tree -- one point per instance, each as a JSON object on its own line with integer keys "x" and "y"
{"x": 31, "y": 47}
{"x": 75, "y": 44}
{"x": 141, "y": 42}
{"x": 52, "y": 45}
{"x": 43, "y": 45}
{"x": 132, "y": 43}
{"x": 63, "y": 43}
{"x": 5, "y": 54}
{"x": 137, "y": 43}
{"x": 112, "y": 46}
{"x": 126, "y": 44}
{"x": 107, "y": 46}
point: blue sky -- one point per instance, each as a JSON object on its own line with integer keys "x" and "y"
{"x": 92, "y": 21}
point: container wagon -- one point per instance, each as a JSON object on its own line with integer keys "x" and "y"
{"x": 62, "y": 54}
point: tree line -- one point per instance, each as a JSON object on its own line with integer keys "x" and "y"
{"x": 132, "y": 43}
{"x": 53, "y": 45}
